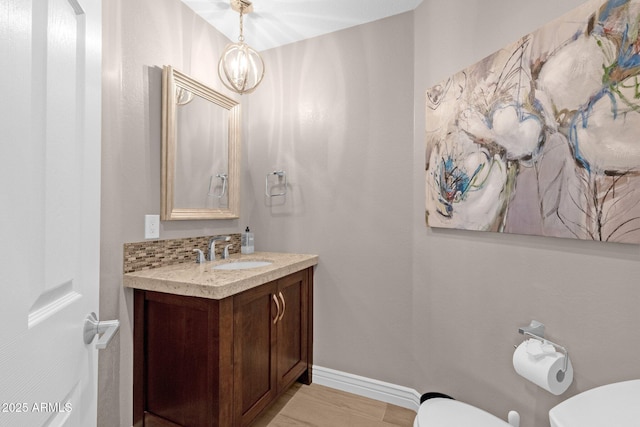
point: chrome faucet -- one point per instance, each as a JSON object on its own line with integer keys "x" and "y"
{"x": 211, "y": 256}
{"x": 199, "y": 256}
{"x": 225, "y": 253}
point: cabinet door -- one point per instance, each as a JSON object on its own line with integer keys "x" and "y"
{"x": 255, "y": 380}
{"x": 183, "y": 352}
{"x": 293, "y": 328}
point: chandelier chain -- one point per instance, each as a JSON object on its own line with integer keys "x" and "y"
{"x": 241, "y": 37}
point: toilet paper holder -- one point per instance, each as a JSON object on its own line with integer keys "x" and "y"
{"x": 535, "y": 330}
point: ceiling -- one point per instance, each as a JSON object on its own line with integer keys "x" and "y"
{"x": 275, "y": 23}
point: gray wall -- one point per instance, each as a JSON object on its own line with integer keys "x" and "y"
{"x": 335, "y": 113}
{"x": 343, "y": 115}
{"x": 471, "y": 291}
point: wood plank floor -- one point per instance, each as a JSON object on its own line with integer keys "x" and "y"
{"x": 319, "y": 406}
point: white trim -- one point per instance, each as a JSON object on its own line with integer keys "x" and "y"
{"x": 374, "y": 389}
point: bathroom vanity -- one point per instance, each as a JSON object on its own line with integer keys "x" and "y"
{"x": 215, "y": 347}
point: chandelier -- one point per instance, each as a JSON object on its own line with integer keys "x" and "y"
{"x": 240, "y": 67}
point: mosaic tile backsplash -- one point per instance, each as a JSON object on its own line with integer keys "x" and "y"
{"x": 159, "y": 253}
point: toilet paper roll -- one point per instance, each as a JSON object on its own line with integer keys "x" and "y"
{"x": 544, "y": 371}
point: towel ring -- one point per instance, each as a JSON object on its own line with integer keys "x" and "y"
{"x": 224, "y": 177}
{"x": 280, "y": 174}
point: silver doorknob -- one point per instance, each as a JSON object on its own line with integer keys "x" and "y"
{"x": 93, "y": 327}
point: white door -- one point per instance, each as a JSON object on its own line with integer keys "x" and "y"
{"x": 50, "y": 80}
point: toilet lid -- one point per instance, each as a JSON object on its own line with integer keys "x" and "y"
{"x": 439, "y": 412}
{"x": 616, "y": 405}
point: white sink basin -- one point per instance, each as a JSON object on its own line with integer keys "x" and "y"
{"x": 242, "y": 265}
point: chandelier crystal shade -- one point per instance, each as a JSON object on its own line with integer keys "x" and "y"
{"x": 241, "y": 68}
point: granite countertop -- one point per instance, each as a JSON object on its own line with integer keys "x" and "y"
{"x": 201, "y": 280}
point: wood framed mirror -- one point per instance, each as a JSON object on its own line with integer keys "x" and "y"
{"x": 200, "y": 150}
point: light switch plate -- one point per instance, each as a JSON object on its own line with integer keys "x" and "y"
{"x": 151, "y": 226}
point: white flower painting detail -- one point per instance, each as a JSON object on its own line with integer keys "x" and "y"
{"x": 543, "y": 137}
{"x": 468, "y": 184}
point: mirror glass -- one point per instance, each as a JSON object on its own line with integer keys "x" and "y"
{"x": 200, "y": 155}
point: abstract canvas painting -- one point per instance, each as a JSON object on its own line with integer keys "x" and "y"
{"x": 543, "y": 136}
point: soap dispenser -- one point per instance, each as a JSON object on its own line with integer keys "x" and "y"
{"x": 246, "y": 242}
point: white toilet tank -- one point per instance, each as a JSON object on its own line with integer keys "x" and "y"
{"x": 612, "y": 405}
{"x": 440, "y": 412}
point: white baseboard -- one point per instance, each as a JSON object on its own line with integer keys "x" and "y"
{"x": 385, "y": 392}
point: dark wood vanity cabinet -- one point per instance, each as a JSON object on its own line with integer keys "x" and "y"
{"x": 204, "y": 362}
{"x": 271, "y": 345}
